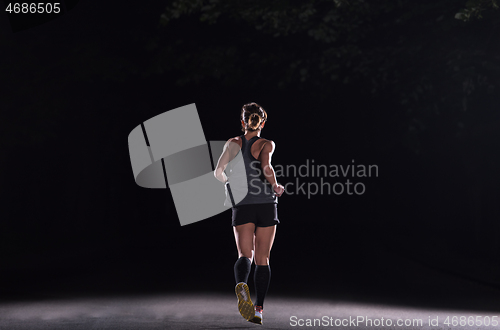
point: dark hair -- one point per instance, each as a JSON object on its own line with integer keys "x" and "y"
{"x": 253, "y": 115}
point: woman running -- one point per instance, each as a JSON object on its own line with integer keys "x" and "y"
{"x": 254, "y": 216}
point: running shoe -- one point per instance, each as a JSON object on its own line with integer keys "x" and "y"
{"x": 258, "y": 315}
{"x": 245, "y": 305}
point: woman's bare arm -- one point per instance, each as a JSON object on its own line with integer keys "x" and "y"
{"x": 224, "y": 159}
{"x": 265, "y": 163}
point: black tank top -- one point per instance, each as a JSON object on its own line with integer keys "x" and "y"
{"x": 259, "y": 189}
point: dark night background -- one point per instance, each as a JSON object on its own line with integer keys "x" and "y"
{"x": 401, "y": 84}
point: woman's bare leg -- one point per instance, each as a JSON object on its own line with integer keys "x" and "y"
{"x": 264, "y": 238}
{"x": 244, "y": 237}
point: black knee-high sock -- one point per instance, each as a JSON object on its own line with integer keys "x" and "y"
{"x": 262, "y": 277}
{"x": 242, "y": 268}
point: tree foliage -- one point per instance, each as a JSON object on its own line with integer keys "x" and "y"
{"x": 415, "y": 56}
{"x": 474, "y": 8}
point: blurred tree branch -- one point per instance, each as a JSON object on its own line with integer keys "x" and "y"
{"x": 474, "y": 8}
{"x": 413, "y": 56}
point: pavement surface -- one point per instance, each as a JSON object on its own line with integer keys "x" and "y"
{"x": 409, "y": 296}
{"x": 219, "y": 311}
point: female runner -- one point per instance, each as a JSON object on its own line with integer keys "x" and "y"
{"x": 255, "y": 216}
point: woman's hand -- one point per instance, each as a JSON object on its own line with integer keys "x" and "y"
{"x": 278, "y": 189}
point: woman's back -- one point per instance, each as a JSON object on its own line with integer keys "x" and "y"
{"x": 258, "y": 189}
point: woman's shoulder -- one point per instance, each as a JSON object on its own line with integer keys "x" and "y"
{"x": 265, "y": 144}
{"x": 261, "y": 141}
{"x": 236, "y": 139}
{"x": 234, "y": 142}
{"x": 266, "y": 141}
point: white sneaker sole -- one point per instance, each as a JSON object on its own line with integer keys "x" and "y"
{"x": 256, "y": 319}
{"x": 245, "y": 305}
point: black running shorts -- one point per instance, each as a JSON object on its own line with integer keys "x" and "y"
{"x": 262, "y": 215}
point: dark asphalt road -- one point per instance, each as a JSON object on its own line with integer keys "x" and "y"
{"x": 420, "y": 295}
{"x": 140, "y": 298}
{"x": 219, "y": 311}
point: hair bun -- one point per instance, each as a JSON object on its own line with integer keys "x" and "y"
{"x": 255, "y": 120}
{"x": 253, "y": 116}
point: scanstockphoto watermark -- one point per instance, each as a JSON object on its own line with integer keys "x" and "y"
{"x": 336, "y": 179}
